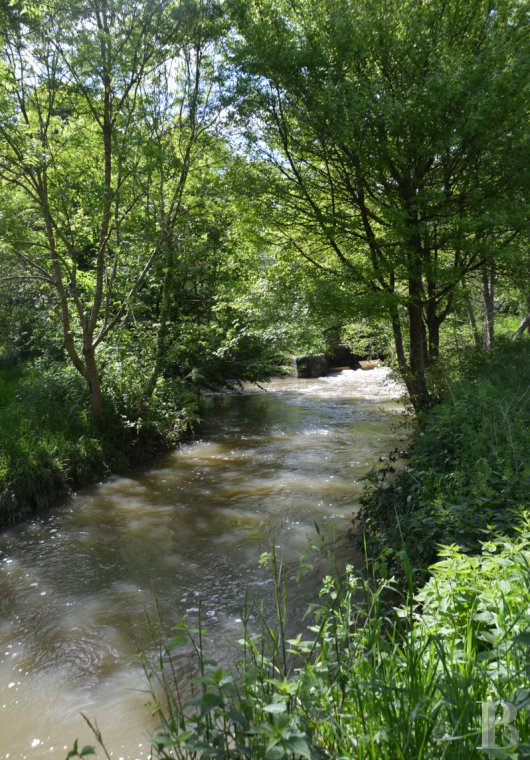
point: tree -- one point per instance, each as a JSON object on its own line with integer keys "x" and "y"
{"x": 525, "y": 325}
{"x": 397, "y": 131}
{"x": 80, "y": 89}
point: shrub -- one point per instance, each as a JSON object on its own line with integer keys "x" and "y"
{"x": 468, "y": 475}
{"x": 47, "y": 445}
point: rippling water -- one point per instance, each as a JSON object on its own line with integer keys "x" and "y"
{"x": 75, "y": 585}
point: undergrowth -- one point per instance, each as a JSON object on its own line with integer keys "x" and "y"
{"x": 365, "y": 680}
{"x": 49, "y": 445}
{"x": 468, "y": 476}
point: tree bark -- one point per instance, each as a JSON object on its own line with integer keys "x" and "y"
{"x": 472, "y": 321}
{"x": 433, "y": 329}
{"x": 417, "y": 383}
{"x": 398, "y": 339}
{"x": 93, "y": 378}
{"x": 488, "y": 297}
{"x": 525, "y": 325}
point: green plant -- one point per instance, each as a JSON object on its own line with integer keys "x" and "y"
{"x": 367, "y": 680}
{"x": 468, "y": 475}
{"x": 49, "y": 444}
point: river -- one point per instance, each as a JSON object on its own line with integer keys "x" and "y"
{"x": 76, "y": 583}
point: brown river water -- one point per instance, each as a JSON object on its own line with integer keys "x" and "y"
{"x": 76, "y": 584}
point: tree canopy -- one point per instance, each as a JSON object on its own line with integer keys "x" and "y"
{"x": 177, "y": 177}
{"x": 398, "y": 136}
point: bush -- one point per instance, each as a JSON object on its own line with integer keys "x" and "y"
{"x": 136, "y": 427}
{"x": 468, "y": 475}
{"x": 47, "y": 445}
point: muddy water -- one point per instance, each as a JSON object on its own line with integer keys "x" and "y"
{"x": 76, "y": 584}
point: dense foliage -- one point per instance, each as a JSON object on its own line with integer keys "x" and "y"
{"x": 170, "y": 170}
{"x": 468, "y": 473}
{"x": 49, "y": 445}
{"x": 394, "y": 131}
{"x": 191, "y": 191}
{"x": 412, "y": 684}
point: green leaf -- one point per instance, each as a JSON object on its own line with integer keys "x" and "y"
{"x": 210, "y": 702}
{"x": 299, "y": 746}
{"x": 275, "y": 708}
{"x": 176, "y": 643}
{"x": 73, "y": 752}
{"x": 238, "y": 718}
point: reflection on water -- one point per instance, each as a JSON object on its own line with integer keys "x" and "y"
{"x": 76, "y": 584}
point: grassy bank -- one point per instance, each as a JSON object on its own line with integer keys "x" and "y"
{"x": 49, "y": 445}
{"x": 428, "y": 663}
{"x": 468, "y": 476}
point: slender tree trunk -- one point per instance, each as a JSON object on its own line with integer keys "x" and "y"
{"x": 93, "y": 378}
{"x": 488, "y": 297}
{"x": 414, "y": 373}
{"x": 417, "y": 383}
{"x": 433, "y": 329}
{"x": 472, "y": 320}
{"x": 525, "y": 325}
{"x": 86, "y": 366}
{"x": 398, "y": 339}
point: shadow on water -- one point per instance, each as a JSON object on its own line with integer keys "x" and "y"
{"x": 75, "y": 586}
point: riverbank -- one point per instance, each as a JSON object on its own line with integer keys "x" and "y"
{"x": 422, "y": 677}
{"x": 50, "y": 447}
{"x": 468, "y": 475}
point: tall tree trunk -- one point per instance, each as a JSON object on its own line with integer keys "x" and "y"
{"x": 435, "y": 314}
{"x": 417, "y": 383}
{"x": 86, "y": 366}
{"x": 525, "y": 325}
{"x": 398, "y": 339}
{"x": 93, "y": 378}
{"x": 488, "y": 298}
{"x": 471, "y": 319}
{"x": 433, "y": 329}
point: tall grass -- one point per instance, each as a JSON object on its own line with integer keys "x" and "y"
{"x": 367, "y": 681}
{"x": 49, "y": 445}
{"x": 46, "y": 442}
